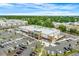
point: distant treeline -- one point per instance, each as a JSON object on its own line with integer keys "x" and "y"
{"x": 44, "y": 20}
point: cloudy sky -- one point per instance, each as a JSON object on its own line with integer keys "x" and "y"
{"x": 39, "y": 9}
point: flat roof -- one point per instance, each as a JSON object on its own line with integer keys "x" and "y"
{"x": 44, "y": 30}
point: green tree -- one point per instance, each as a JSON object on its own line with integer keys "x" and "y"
{"x": 62, "y": 28}
{"x": 72, "y": 31}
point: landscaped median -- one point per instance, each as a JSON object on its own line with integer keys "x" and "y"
{"x": 38, "y": 49}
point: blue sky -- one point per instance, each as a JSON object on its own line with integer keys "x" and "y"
{"x": 39, "y": 9}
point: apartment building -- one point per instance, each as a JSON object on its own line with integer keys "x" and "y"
{"x": 12, "y": 23}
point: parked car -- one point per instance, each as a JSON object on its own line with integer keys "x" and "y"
{"x": 19, "y": 52}
{"x": 33, "y": 54}
{"x": 1, "y": 46}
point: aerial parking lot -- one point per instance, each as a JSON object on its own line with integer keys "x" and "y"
{"x": 15, "y": 46}
{"x": 18, "y": 38}
{"x": 12, "y": 42}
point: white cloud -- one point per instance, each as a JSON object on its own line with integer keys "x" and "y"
{"x": 42, "y": 6}
{"x": 5, "y": 4}
{"x": 59, "y": 13}
{"x": 45, "y": 9}
{"x": 45, "y": 6}
{"x": 51, "y": 13}
{"x": 68, "y": 7}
